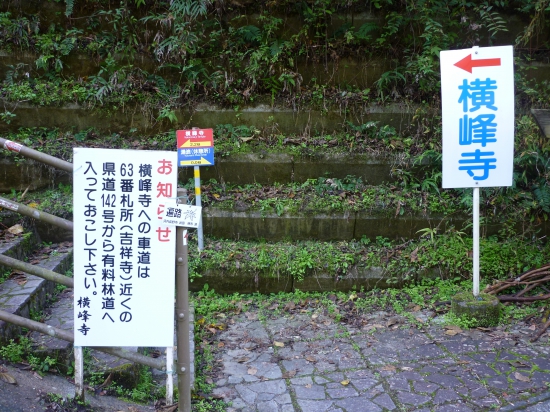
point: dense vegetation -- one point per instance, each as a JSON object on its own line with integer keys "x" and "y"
{"x": 160, "y": 56}
{"x": 232, "y": 52}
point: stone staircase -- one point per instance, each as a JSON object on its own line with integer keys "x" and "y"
{"x": 31, "y": 297}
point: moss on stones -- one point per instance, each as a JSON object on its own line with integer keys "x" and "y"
{"x": 482, "y": 310}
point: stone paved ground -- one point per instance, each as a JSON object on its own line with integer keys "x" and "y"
{"x": 308, "y": 362}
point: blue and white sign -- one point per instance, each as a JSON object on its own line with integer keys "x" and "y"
{"x": 477, "y": 94}
{"x": 202, "y": 156}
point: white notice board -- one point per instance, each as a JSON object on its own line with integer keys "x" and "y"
{"x": 477, "y": 93}
{"x": 124, "y": 260}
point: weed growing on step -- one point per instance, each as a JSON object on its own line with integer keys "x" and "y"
{"x": 16, "y": 351}
{"x": 58, "y": 403}
{"x": 447, "y": 255}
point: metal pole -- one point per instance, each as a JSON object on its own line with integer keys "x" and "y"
{"x": 36, "y": 155}
{"x": 79, "y": 391}
{"x": 198, "y": 202}
{"x": 37, "y": 214}
{"x": 69, "y": 337}
{"x": 476, "y": 241}
{"x": 36, "y": 270}
{"x": 169, "y": 375}
{"x": 182, "y": 315}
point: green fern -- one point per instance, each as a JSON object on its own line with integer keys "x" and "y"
{"x": 190, "y": 9}
{"x": 492, "y": 21}
{"x": 250, "y": 33}
{"x": 365, "y": 29}
{"x": 542, "y": 195}
{"x": 69, "y": 4}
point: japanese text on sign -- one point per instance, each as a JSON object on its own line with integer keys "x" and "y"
{"x": 182, "y": 215}
{"x": 195, "y": 147}
{"x": 478, "y": 117}
{"x": 123, "y": 273}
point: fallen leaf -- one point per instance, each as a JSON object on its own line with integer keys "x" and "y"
{"x": 518, "y": 364}
{"x": 6, "y": 377}
{"x": 107, "y": 381}
{"x": 221, "y": 345}
{"x": 290, "y": 306}
{"x": 314, "y": 316}
{"x": 451, "y": 332}
{"x": 345, "y": 383}
{"x": 414, "y": 255}
{"x": 521, "y": 377}
{"x": 18, "y": 277}
{"x": 390, "y": 368}
{"x": 251, "y": 316}
{"x": 252, "y": 371}
{"x": 416, "y": 308}
{"x": 310, "y": 358}
{"x": 308, "y": 385}
{"x": 376, "y": 325}
{"x": 289, "y": 374}
{"x": 243, "y": 359}
{"x": 533, "y": 327}
{"x": 221, "y": 315}
{"x": 15, "y": 229}
{"x": 279, "y": 344}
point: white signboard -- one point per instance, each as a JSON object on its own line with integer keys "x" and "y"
{"x": 477, "y": 93}
{"x": 124, "y": 260}
{"x": 181, "y": 215}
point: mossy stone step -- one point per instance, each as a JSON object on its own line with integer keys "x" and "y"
{"x": 482, "y": 310}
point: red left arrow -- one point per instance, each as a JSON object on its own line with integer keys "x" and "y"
{"x": 468, "y": 64}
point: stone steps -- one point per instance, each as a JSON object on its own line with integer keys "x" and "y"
{"x": 25, "y": 294}
{"x": 32, "y": 297}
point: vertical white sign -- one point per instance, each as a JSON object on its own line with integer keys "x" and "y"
{"x": 477, "y": 93}
{"x": 124, "y": 261}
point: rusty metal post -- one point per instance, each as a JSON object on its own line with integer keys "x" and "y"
{"x": 36, "y": 155}
{"x": 182, "y": 316}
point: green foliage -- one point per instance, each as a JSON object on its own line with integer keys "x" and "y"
{"x": 227, "y": 57}
{"x": 41, "y": 365}
{"x": 16, "y": 351}
{"x": 7, "y": 116}
{"x": 463, "y": 321}
{"x": 146, "y": 389}
{"x": 69, "y": 5}
{"x": 447, "y": 254}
